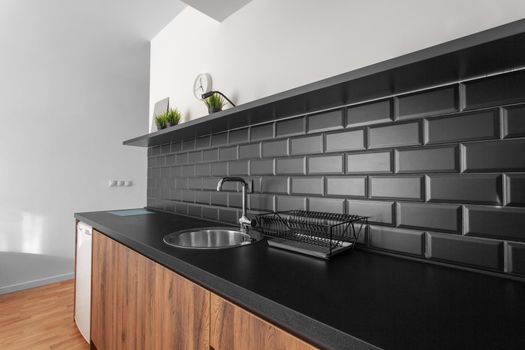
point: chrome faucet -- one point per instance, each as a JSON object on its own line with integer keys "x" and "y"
{"x": 243, "y": 221}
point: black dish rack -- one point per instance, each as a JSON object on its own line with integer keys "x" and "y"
{"x": 313, "y": 233}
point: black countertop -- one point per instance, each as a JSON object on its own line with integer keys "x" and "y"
{"x": 358, "y": 300}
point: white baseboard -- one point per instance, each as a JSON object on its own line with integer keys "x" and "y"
{"x": 36, "y": 283}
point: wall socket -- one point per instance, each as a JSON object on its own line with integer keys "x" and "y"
{"x": 120, "y": 183}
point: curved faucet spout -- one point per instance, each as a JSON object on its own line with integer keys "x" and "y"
{"x": 243, "y": 221}
{"x": 230, "y": 179}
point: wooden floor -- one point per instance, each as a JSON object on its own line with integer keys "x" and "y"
{"x": 40, "y": 318}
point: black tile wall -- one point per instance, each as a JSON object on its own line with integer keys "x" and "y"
{"x": 308, "y": 185}
{"x": 306, "y": 145}
{"x": 369, "y": 162}
{"x": 438, "y": 179}
{"x": 275, "y": 148}
{"x": 402, "y": 187}
{"x": 441, "y": 217}
{"x": 516, "y": 258}
{"x": 495, "y": 156}
{"x": 238, "y": 136}
{"x": 325, "y": 121}
{"x": 351, "y": 186}
{"x": 495, "y": 90}
{"x": 291, "y": 127}
{"x": 325, "y": 165}
{"x": 394, "y": 135}
{"x": 369, "y": 113}
{"x": 429, "y": 102}
{"x": 514, "y": 121}
{"x": 250, "y": 151}
{"x": 516, "y": 189}
{"x": 469, "y": 251}
{"x": 401, "y": 240}
{"x": 261, "y": 132}
{"x": 473, "y": 188}
{"x": 345, "y": 141}
{"x": 459, "y": 128}
{"x": 428, "y": 160}
{"x": 496, "y": 222}
{"x": 331, "y": 205}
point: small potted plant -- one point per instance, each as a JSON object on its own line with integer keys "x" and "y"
{"x": 161, "y": 121}
{"x": 173, "y": 117}
{"x": 214, "y": 103}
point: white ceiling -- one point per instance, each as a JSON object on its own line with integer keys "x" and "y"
{"x": 85, "y": 23}
{"x": 216, "y": 9}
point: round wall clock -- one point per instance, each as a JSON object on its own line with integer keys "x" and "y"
{"x": 201, "y": 85}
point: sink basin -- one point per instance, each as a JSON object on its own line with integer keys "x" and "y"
{"x": 212, "y": 238}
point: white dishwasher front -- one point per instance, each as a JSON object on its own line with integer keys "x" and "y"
{"x": 83, "y": 279}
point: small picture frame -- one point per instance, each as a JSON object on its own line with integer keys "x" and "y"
{"x": 160, "y": 107}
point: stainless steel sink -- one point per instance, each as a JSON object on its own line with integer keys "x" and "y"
{"x": 212, "y": 238}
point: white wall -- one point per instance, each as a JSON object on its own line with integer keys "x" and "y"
{"x": 74, "y": 85}
{"x": 270, "y": 46}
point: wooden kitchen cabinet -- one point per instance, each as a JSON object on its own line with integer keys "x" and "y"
{"x": 233, "y": 328}
{"x": 138, "y": 304}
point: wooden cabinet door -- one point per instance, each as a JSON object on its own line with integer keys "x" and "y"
{"x": 233, "y": 328}
{"x": 138, "y": 304}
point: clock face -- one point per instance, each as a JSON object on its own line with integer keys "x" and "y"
{"x": 201, "y": 85}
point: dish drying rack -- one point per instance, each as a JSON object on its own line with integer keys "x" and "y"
{"x": 312, "y": 233}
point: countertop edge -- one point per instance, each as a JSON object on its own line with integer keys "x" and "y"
{"x": 309, "y": 329}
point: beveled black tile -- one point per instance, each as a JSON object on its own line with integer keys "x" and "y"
{"x": 429, "y": 102}
{"x": 496, "y": 222}
{"x": 426, "y": 216}
{"x": 470, "y": 251}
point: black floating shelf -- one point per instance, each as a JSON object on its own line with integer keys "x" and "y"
{"x": 494, "y": 50}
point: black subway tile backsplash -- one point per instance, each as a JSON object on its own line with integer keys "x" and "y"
{"x": 514, "y": 121}
{"x": 290, "y": 203}
{"x": 351, "y": 186}
{"x": 496, "y": 222}
{"x": 379, "y": 212}
{"x": 306, "y": 145}
{"x": 325, "y": 165}
{"x": 397, "y": 240}
{"x": 473, "y": 188}
{"x": 516, "y": 258}
{"x": 369, "y": 113}
{"x": 438, "y": 217}
{"x": 307, "y": 185}
{"x": 289, "y": 127}
{"x": 330, "y": 205}
{"x": 438, "y": 178}
{"x": 238, "y": 136}
{"x": 274, "y": 184}
{"x": 325, "y": 121}
{"x": 471, "y": 126}
{"x": 219, "y": 139}
{"x": 428, "y": 102}
{"x": 496, "y": 90}
{"x": 275, "y": 148}
{"x": 470, "y": 251}
{"x": 377, "y": 162}
{"x": 516, "y": 189}
{"x": 290, "y": 166}
{"x": 261, "y": 132}
{"x": 394, "y": 135}
{"x": 345, "y": 141}
{"x": 228, "y": 153}
{"x": 428, "y": 160}
{"x": 262, "y": 167}
{"x": 402, "y": 187}
{"x": 251, "y": 151}
{"x": 495, "y": 156}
